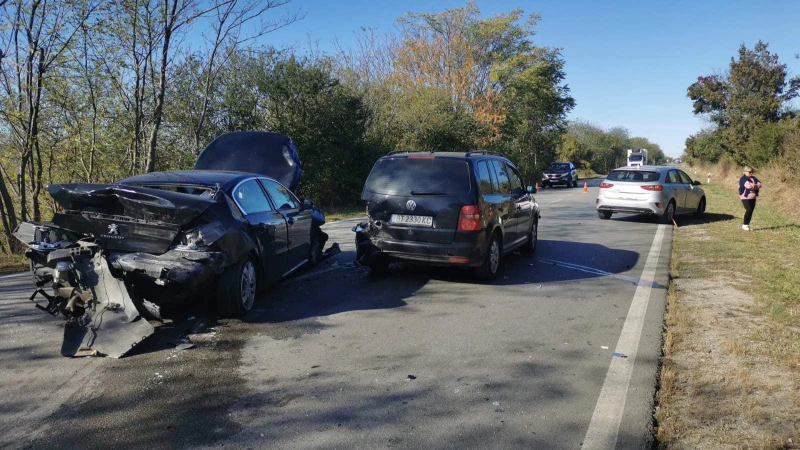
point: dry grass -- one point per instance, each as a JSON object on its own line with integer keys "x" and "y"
{"x": 12, "y": 263}
{"x": 343, "y": 213}
{"x": 731, "y": 369}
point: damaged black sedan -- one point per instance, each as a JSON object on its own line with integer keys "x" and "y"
{"x": 154, "y": 241}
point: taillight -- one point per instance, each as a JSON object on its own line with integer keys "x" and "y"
{"x": 469, "y": 219}
{"x": 605, "y": 185}
{"x": 653, "y": 187}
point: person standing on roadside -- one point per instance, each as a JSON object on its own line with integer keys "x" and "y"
{"x": 748, "y": 191}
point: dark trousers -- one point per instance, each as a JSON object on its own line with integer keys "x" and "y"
{"x": 749, "y": 207}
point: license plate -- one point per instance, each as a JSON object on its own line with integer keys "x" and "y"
{"x": 423, "y": 221}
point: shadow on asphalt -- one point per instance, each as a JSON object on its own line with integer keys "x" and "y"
{"x": 356, "y": 289}
{"x": 682, "y": 220}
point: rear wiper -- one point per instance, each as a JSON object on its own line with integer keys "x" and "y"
{"x": 426, "y": 193}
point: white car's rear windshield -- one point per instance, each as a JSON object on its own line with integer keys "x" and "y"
{"x": 634, "y": 176}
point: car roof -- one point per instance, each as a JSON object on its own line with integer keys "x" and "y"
{"x": 226, "y": 179}
{"x": 459, "y": 155}
{"x": 643, "y": 168}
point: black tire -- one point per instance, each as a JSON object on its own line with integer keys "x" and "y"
{"x": 669, "y": 213}
{"x": 605, "y": 215}
{"x": 315, "y": 252}
{"x": 533, "y": 238}
{"x": 491, "y": 263}
{"x": 701, "y": 208}
{"x": 379, "y": 265}
{"x": 238, "y": 287}
{"x": 575, "y": 182}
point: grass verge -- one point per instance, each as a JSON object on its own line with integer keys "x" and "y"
{"x": 12, "y": 263}
{"x": 731, "y": 368}
{"x": 343, "y": 213}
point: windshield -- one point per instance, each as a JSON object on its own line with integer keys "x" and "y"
{"x": 419, "y": 176}
{"x": 559, "y": 167}
{"x": 635, "y": 176}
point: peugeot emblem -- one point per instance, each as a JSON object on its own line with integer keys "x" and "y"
{"x": 113, "y": 229}
{"x": 411, "y": 205}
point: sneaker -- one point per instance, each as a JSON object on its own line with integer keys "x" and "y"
{"x": 746, "y": 227}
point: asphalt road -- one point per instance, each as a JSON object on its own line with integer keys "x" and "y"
{"x": 336, "y": 358}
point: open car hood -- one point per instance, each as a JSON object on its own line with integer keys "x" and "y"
{"x": 270, "y": 154}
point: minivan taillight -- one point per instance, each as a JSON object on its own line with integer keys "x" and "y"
{"x": 653, "y": 187}
{"x": 605, "y": 185}
{"x": 469, "y": 219}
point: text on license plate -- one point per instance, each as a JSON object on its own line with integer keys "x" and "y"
{"x": 423, "y": 221}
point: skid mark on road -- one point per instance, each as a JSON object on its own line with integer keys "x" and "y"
{"x": 592, "y": 270}
{"x": 604, "y": 426}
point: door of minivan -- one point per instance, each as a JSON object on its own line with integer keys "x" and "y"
{"x": 522, "y": 204}
{"x": 507, "y": 204}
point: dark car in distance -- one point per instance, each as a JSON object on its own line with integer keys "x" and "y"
{"x": 453, "y": 209}
{"x": 559, "y": 173}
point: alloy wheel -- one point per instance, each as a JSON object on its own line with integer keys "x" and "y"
{"x": 248, "y": 285}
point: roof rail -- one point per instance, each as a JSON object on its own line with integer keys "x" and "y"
{"x": 484, "y": 152}
{"x": 397, "y": 152}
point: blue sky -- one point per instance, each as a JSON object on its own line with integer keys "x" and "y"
{"x": 628, "y": 63}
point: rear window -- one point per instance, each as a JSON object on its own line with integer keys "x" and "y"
{"x": 419, "y": 176}
{"x": 633, "y": 176}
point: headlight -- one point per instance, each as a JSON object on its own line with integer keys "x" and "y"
{"x": 201, "y": 237}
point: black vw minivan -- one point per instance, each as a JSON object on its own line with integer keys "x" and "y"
{"x": 459, "y": 209}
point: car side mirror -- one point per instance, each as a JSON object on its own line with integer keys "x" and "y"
{"x": 696, "y": 183}
{"x": 307, "y": 203}
{"x": 531, "y": 190}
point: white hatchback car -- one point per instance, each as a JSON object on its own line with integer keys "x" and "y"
{"x": 654, "y": 190}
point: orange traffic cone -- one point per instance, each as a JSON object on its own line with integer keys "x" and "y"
{"x": 537, "y": 186}
{"x": 585, "y": 187}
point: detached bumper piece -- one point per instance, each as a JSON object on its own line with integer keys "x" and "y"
{"x": 111, "y": 325}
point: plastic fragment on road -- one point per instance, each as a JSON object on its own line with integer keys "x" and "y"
{"x": 619, "y": 355}
{"x": 412, "y": 377}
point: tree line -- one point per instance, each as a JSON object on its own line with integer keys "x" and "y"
{"x": 593, "y": 147}
{"x": 750, "y": 113}
{"x": 96, "y": 90}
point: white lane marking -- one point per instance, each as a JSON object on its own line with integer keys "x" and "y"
{"x": 591, "y": 270}
{"x": 556, "y": 201}
{"x": 604, "y": 426}
{"x": 13, "y": 275}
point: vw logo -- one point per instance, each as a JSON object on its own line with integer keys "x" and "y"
{"x": 411, "y": 205}
{"x": 113, "y": 229}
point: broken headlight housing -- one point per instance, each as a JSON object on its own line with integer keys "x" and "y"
{"x": 198, "y": 239}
